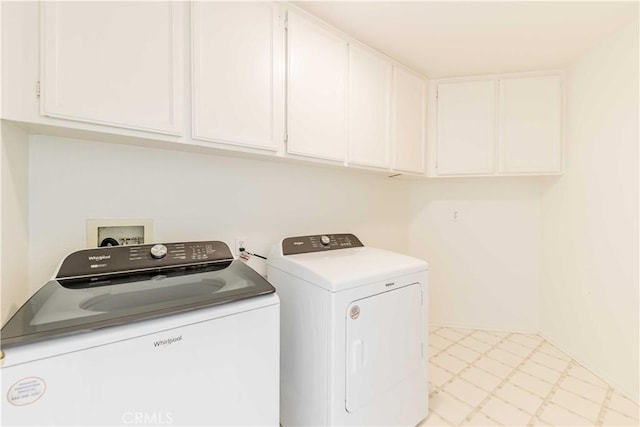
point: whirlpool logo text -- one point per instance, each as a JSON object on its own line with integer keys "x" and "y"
{"x": 168, "y": 341}
{"x": 99, "y": 257}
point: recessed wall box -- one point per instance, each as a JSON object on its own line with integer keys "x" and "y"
{"x": 121, "y": 231}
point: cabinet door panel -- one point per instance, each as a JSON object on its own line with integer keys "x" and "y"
{"x": 530, "y": 125}
{"x": 369, "y": 108}
{"x": 116, "y": 63}
{"x": 408, "y": 122}
{"x": 466, "y": 128}
{"x": 317, "y": 111}
{"x": 234, "y": 72}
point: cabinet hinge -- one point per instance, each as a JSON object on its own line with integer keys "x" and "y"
{"x": 38, "y": 89}
{"x": 286, "y": 138}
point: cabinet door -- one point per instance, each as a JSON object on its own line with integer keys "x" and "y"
{"x": 466, "y": 128}
{"x": 114, "y": 63}
{"x": 408, "y": 122}
{"x": 530, "y": 125}
{"x": 369, "y": 108}
{"x": 317, "y": 84}
{"x": 237, "y": 74}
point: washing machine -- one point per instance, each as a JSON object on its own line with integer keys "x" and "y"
{"x": 353, "y": 332}
{"x": 166, "y": 334}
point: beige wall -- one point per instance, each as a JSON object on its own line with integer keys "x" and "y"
{"x": 484, "y": 265}
{"x": 197, "y": 196}
{"x": 13, "y": 224}
{"x": 589, "y": 304}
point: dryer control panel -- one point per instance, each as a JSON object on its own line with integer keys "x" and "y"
{"x": 319, "y": 243}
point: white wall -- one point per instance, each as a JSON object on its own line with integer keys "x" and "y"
{"x": 13, "y": 224}
{"x": 589, "y": 304}
{"x": 197, "y": 196}
{"x": 484, "y": 266}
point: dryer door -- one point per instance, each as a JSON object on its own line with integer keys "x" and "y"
{"x": 384, "y": 344}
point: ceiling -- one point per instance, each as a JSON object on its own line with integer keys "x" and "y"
{"x": 450, "y": 38}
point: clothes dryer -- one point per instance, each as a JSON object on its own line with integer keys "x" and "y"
{"x": 353, "y": 332}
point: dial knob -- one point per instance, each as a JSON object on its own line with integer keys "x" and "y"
{"x": 158, "y": 251}
{"x": 324, "y": 240}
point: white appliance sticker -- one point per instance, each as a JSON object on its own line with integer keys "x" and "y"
{"x": 26, "y": 391}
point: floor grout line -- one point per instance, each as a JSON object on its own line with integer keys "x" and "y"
{"x": 624, "y": 414}
{"x": 603, "y": 407}
{"x": 580, "y": 395}
{"x": 564, "y": 359}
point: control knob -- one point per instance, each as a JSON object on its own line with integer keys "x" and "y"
{"x": 158, "y": 251}
{"x": 325, "y": 240}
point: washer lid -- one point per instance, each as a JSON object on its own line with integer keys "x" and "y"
{"x": 342, "y": 269}
{"x": 70, "y": 305}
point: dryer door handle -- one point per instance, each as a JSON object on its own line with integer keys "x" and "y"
{"x": 357, "y": 356}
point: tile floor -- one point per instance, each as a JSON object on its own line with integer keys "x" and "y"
{"x": 482, "y": 378}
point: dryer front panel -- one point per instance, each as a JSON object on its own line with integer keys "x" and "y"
{"x": 384, "y": 344}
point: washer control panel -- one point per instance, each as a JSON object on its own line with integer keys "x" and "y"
{"x": 122, "y": 259}
{"x": 319, "y": 243}
{"x": 158, "y": 251}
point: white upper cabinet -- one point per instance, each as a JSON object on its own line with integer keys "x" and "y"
{"x": 466, "y": 128}
{"x": 498, "y": 125}
{"x": 530, "y": 125}
{"x": 316, "y": 90}
{"x": 408, "y": 129}
{"x": 238, "y": 73}
{"x": 369, "y": 108}
{"x": 114, "y": 63}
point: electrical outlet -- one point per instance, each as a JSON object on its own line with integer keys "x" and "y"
{"x": 241, "y": 242}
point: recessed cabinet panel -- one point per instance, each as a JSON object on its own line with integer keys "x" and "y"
{"x": 369, "y": 108}
{"x": 466, "y": 128}
{"x": 408, "y": 122}
{"x": 114, "y": 63}
{"x": 317, "y": 85}
{"x": 235, "y": 75}
{"x": 530, "y": 125}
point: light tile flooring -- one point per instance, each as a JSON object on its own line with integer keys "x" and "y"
{"x": 482, "y": 378}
